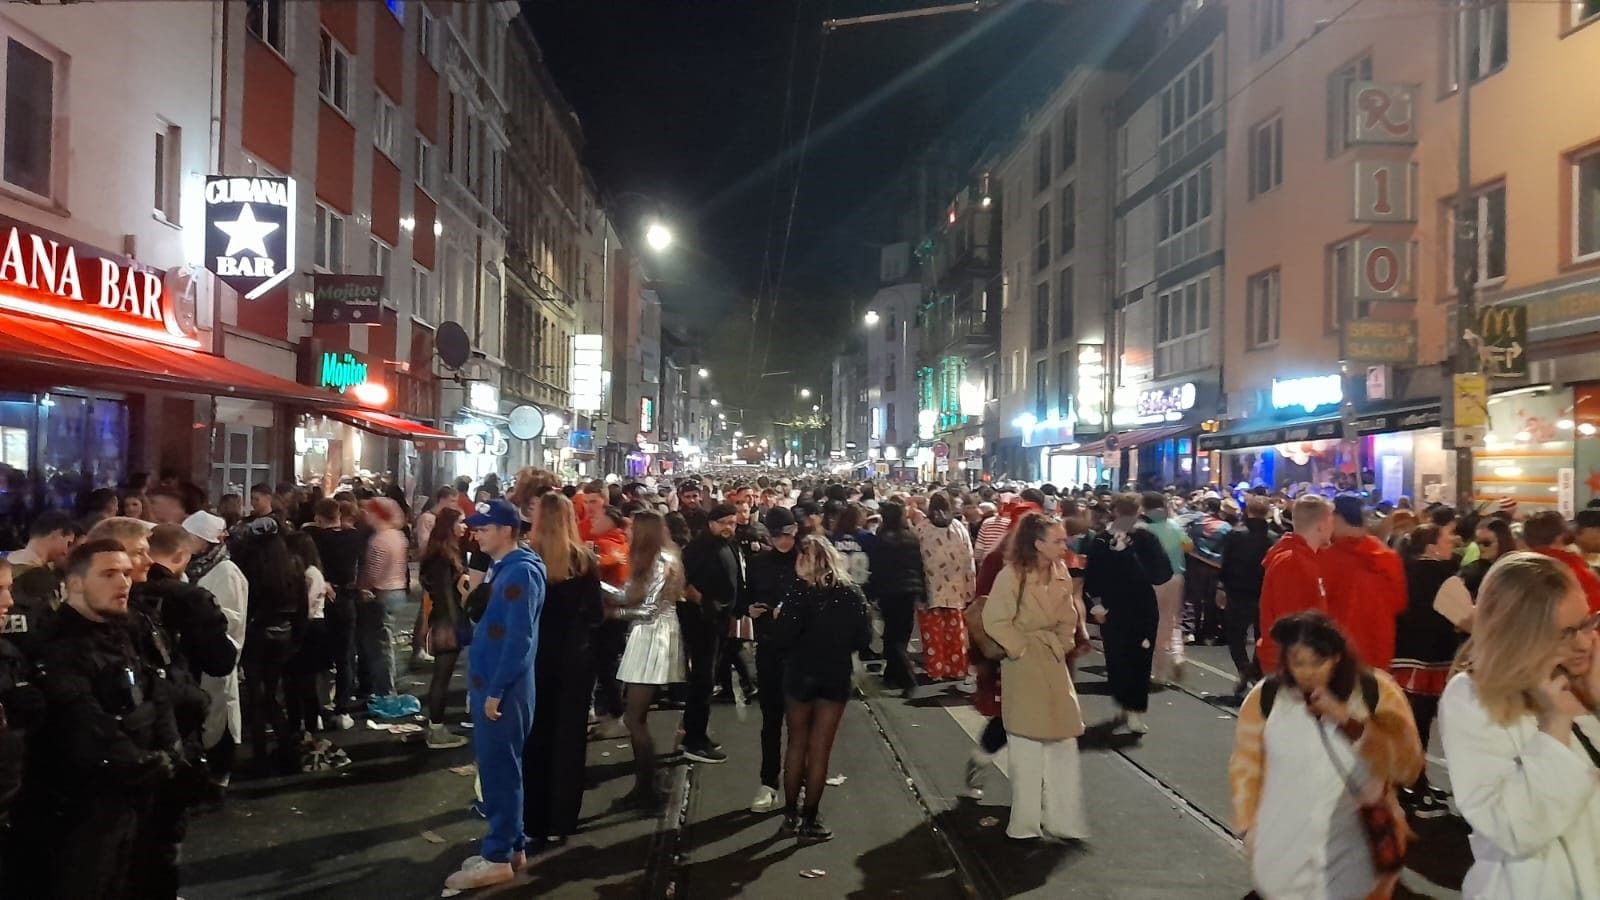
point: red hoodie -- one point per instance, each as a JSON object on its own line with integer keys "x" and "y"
{"x": 1366, "y": 590}
{"x": 1586, "y": 577}
{"x": 612, "y": 548}
{"x": 1293, "y": 584}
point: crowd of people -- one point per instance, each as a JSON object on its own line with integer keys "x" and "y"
{"x": 141, "y": 645}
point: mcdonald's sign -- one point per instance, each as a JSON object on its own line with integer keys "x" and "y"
{"x": 1501, "y": 340}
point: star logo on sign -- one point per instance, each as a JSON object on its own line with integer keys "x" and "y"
{"x": 245, "y": 233}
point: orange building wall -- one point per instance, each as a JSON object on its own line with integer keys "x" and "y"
{"x": 336, "y": 148}
{"x": 267, "y": 125}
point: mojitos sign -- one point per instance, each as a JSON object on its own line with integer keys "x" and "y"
{"x": 49, "y": 276}
{"x": 250, "y": 231}
{"x": 341, "y": 371}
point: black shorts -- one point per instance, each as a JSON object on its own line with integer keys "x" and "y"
{"x": 803, "y": 687}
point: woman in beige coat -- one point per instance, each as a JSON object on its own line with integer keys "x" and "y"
{"x": 1032, "y": 614}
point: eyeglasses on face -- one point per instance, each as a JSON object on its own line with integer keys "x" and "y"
{"x": 1588, "y": 625}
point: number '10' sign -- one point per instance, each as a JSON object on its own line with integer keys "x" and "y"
{"x": 1384, "y": 191}
{"x": 1383, "y": 270}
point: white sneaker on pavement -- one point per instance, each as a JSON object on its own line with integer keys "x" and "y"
{"x": 1136, "y": 724}
{"x": 478, "y": 873}
{"x": 968, "y": 685}
{"x": 766, "y": 800}
{"x": 344, "y": 722}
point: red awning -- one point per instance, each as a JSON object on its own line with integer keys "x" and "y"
{"x": 396, "y": 427}
{"x": 69, "y": 354}
{"x": 83, "y": 356}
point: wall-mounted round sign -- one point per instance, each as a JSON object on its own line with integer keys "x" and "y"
{"x": 475, "y": 444}
{"x": 501, "y": 445}
{"x": 526, "y": 422}
{"x": 452, "y": 345}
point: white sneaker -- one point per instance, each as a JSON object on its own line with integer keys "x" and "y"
{"x": 343, "y": 722}
{"x": 1136, "y": 724}
{"x": 968, "y": 685}
{"x": 480, "y": 873}
{"x": 766, "y": 800}
{"x": 975, "y": 766}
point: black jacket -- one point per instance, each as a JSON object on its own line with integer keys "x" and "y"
{"x": 340, "y": 550}
{"x": 820, "y": 628}
{"x": 772, "y": 577}
{"x": 1244, "y": 552}
{"x": 712, "y": 566}
{"x": 36, "y": 591}
{"x": 192, "y": 619}
{"x": 1421, "y": 634}
{"x": 572, "y": 611}
{"x": 896, "y": 560}
{"x": 1123, "y": 579}
{"x": 108, "y": 724}
{"x": 441, "y": 579}
{"x": 21, "y": 704}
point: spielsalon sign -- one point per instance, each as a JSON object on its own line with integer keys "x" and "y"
{"x": 49, "y": 276}
{"x": 250, "y": 231}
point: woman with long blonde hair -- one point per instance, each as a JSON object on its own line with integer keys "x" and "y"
{"x": 817, "y": 630}
{"x": 553, "y": 758}
{"x": 1520, "y": 734}
{"x": 653, "y": 657}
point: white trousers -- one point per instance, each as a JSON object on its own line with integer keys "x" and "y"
{"x": 1046, "y": 789}
{"x": 1169, "y": 628}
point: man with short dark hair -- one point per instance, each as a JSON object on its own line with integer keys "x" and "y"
{"x": 38, "y": 579}
{"x": 339, "y": 547}
{"x": 165, "y": 506}
{"x": 107, "y": 742}
{"x": 714, "y": 574}
{"x": 1244, "y": 554}
{"x": 1546, "y": 533}
{"x": 1588, "y": 532}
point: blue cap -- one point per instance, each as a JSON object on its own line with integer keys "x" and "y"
{"x": 495, "y": 512}
{"x": 1348, "y": 507}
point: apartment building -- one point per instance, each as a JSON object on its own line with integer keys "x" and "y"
{"x": 891, "y": 340}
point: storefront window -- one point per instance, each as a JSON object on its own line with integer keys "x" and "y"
{"x": 1527, "y": 454}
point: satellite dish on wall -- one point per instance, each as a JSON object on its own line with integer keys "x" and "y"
{"x": 450, "y": 342}
{"x": 526, "y": 422}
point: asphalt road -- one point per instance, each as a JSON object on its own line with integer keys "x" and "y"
{"x": 397, "y": 822}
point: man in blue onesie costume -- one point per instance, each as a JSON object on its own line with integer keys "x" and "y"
{"x": 500, "y": 693}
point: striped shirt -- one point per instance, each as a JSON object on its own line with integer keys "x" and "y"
{"x": 991, "y": 534}
{"x": 384, "y": 566}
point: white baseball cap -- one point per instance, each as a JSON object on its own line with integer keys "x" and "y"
{"x": 207, "y": 527}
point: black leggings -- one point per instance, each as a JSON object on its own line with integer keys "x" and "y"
{"x": 993, "y": 739}
{"x": 899, "y": 614}
{"x": 1423, "y": 709}
{"x": 264, "y": 670}
{"x": 1240, "y": 619}
{"x": 444, "y": 665}
{"x": 812, "y": 726}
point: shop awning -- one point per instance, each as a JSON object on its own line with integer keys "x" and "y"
{"x": 386, "y": 425}
{"x": 91, "y": 358}
{"x": 1127, "y": 440}
{"x": 1252, "y": 435}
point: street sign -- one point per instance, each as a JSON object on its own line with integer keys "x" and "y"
{"x": 941, "y": 450}
{"x": 1383, "y": 270}
{"x": 1471, "y": 398}
{"x": 1381, "y": 113}
{"x": 1378, "y": 341}
{"x": 1384, "y": 191}
{"x": 1501, "y": 339}
{"x": 1378, "y": 382}
{"x": 340, "y": 299}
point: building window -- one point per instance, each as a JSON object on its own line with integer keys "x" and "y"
{"x": 1069, "y": 136}
{"x": 168, "y": 171}
{"x": 1339, "y": 100}
{"x": 1016, "y": 371}
{"x": 1267, "y": 25}
{"x": 384, "y": 116}
{"x": 426, "y": 164}
{"x": 1488, "y": 262}
{"x": 1041, "y": 256}
{"x": 1063, "y": 383}
{"x": 888, "y": 373}
{"x": 1042, "y": 167}
{"x": 1263, "y": 305}
{"x": 890, "y": 432}
{"x": 1183, "y": 214}
{"x": 333, "y": 74}
{"x": 266, "y": 19}
{"x": 425, "y": 32}
{"x": 1069, "y": 219}
{"x": 1188, "y": 111}
{"x": 329, "y": 240}
{"x": 1041, "y": 315}
{"x": 1041, "y": 388}
{"x": 1183, "y": 327}
{"x": 378, "y": 254}
{"x": 1586, "y": 205}
{"x": 1490, "y": 52}
{"x": 1064, "y": 296}
{"x": 1266, "y": 156}
{"x": 1584, "y": 10}
{"x": 32, "y": 86}
{"x": 424, "y": 303}
{"x": 1342, "y": 287}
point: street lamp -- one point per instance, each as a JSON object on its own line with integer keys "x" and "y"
{"x": 871, "y": 317}
{"x": 805, "y": 393}
{"x": 658, "y": 236}
{"x": 704, "y": 372}
{"x": 738, "y": 434}
{"x": 715, "y": 402}
{"x": 816, "y": 408}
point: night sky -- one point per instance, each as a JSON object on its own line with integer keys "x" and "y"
{"x": 684, "y": 100}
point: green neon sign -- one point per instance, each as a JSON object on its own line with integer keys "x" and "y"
{"x": 341, "y": 371}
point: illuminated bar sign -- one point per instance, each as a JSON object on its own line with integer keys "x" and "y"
{"x": 341, "y": 371}
{"x": 49, "y": 276}
{"x": 250, "y": 231}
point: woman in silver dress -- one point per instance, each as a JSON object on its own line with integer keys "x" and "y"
{"x": 654, "y": 655}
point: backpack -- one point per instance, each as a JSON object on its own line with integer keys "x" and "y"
{"x": 1367, "y": 682}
